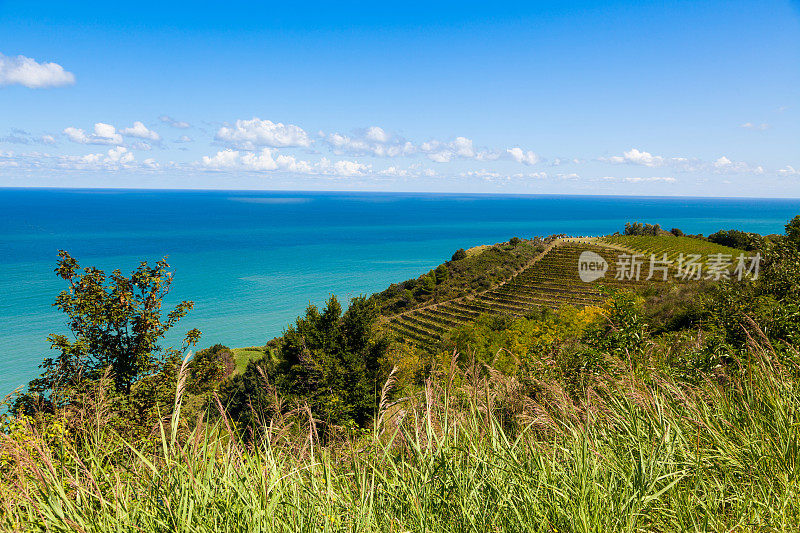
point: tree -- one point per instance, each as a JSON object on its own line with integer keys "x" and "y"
{"x": 440, "y": 274}
{"x": 637, "y": 228}
{"x": 427, "y": 283}
{"x": 514, "y": 241}
{"x": 333, "y": 361}
{"x": 737, "y": 239}
{"x": 459, "y": 254}
{"x": 117, "y": 324}
{"x": 793, "y": 231}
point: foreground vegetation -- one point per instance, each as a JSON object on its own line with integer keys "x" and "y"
{"x": 669, "y": 407}
{"x": 465, "y": 454}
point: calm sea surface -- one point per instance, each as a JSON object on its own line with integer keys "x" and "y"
{"x": 252, "y": 261}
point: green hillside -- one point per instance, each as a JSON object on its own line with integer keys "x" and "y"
{"x": 551, "y": 281}
{"x": 468, "y": 271}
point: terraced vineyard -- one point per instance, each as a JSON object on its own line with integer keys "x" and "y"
{"x": 552, "y": 281}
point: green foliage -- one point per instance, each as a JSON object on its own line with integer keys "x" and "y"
{"x": 793, "y": 231}
{"x": 440, "y": 274}
{"x": 459, "y": 254}
{"x": 623, "y": 334}
{"x": 329, "y": 360}
{"x": 462, "y": 275}
{"x": 768, "y": 305}
{"x": 117, "y": 324}
{"x": 427, "y": 284}
{"x": 249, "y": 397}
{"x": 637, "y": 228}
{"x": 676, "y": 307}
{"x": 737, "y": 239}
{"x": 632, "y": 456}
{"x": 208, "y": 368}
{"x": 771, "y": 302}
{"x": 677, "y": 232}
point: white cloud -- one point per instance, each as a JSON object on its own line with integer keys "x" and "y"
{"x": 395, "y": 172}
{"x": 120, "y": 154}
{"x": 376, "y": 134}
{"x": 463, "y": 147}
{"x": 374, "y": 141}
{"x": 105, "y": 131}
{"x": 291, "y": 164}
{"x": 441, "y": 157}
{"x": 723, "y": 165}
{"x": 166, "y": 119}
{"x": 636, "y": 157}
{"x": 183, "y": 139}
{"x": 150, "y": 163}
{"x": 253, "y": 133}
{"x": 533, "y": 175}
{"x": 558, "y": 161}
{"x": 750, "y": 126}
{"x": 116, "y": 158}
{"x": 722, "y": 162}
{"x": 103, "y": 134}
{"x": 223, "y": 159}
{"x": 20, "y": 136}
{"x": 266, "y": 160}
{"x": 789, "y": 170}
{"x": 665, "y": 179}
{"x": 460, "y": 147}
{"x": 140, "y": 131}
{"x": 263, "y": 161}
{"x": 27, "y": 72}
{"x": 483, "y": 174}
{"x": 349, "y": 168}
{"x": 521, "y": 156}
{"x": 76, "y": 135}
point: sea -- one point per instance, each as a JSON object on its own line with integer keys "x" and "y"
{"x": 252, "y": 261}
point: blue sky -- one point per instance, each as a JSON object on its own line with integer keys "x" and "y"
{"x": 641, "y": 98}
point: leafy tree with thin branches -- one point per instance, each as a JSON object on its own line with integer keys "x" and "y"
{"x": 116, "y": 323}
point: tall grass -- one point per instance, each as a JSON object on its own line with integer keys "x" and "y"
{"x": 470, "y": 452}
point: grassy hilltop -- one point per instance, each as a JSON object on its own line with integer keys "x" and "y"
{"x": 497, "y": 392}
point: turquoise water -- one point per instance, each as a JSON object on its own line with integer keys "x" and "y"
{"x": 252, "y": 261}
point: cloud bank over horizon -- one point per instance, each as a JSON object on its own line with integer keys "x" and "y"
{"x": 261, "y": 147}
{"x": 638, "y": 98}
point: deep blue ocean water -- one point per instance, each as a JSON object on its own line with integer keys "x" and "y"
{"x": 252, "y": 261}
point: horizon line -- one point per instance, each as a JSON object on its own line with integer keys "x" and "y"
{"x": 436, "y": 193}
